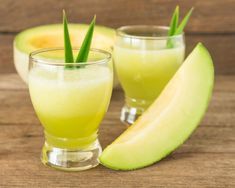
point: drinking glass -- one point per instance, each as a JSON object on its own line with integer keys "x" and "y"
{"x": 70, "y": 100}
{"x": 145, "y": 59}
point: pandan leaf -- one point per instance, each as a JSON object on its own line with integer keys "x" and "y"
{"x": 67, "y": 44}
{"x": 174, "y": 22}
{"x": 173, "y": 27}
{"x": 184, "y": 22}
{"x": 85, "y": 48}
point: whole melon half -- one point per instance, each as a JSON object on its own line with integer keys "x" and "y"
{"x": 47, "y": 36}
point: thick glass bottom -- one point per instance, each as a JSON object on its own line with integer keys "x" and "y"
{"x": 71, "y": 159}
{"x": 133, "y": 109}
{"x": 130, "y": 114}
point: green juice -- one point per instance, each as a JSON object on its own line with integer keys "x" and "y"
{"x": 143, "y": 73}
{"x": 70, "y": 103}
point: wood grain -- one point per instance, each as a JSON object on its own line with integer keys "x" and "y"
{"x": 213, "y": 16}
{"x": 213, "y": 22}
{"x": 207, "y": 159}
{"x": 6, "y": 54}
{"x": 218, "y": 45}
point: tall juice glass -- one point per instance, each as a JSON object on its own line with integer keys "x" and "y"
{"x": 145, "y": 59}
{"x": 70, "y": 100}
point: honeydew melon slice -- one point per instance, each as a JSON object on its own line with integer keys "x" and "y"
{"x": 170, "y": 120}
{"x": 47, "y": 36}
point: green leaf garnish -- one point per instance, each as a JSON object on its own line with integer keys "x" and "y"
{"x": 68, "y": 52}
{"x": 174, "y": 28}
{"x": 85, "y": 48}
{"x": 174, "y": 21}
{"x": 182, "y": 25}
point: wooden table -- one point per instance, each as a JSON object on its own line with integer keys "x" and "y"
{"x": 207, "y": 159}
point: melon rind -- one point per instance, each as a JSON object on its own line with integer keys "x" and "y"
{"x": 170, "y": 120}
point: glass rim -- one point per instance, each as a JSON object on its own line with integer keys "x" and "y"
{"x": 121, "y": 31}
{"x": 56, "y": 62}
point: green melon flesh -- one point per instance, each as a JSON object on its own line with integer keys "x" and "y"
{"x": 52, "y": 36}
{"x": 170, "y": 120}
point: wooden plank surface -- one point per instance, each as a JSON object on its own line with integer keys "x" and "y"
{"x": 217, "y": 44}
{"x": 207, "y": 159}
{"x": 210, "y": 16}
{"x": 212, "y": 22}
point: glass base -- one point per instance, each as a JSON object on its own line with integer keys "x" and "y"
{"x": 130, "y": 114}
{"x": 133, "y": 109}
{"x": 71, "y": 160}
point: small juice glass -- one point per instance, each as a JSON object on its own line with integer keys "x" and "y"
{"x": 70, "y": 100}
{"x": 145, "y": 59}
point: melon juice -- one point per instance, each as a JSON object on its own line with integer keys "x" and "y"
{"x": 70, "y": 103}
{"x": 144, "y": 65}
{"x": 143, "y": 74}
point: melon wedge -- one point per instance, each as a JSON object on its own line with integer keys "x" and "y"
{"x": 170, "y": 120}
{"x": 52, "y": 36}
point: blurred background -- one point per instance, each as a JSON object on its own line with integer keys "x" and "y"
{"x": 212, "y": 22}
